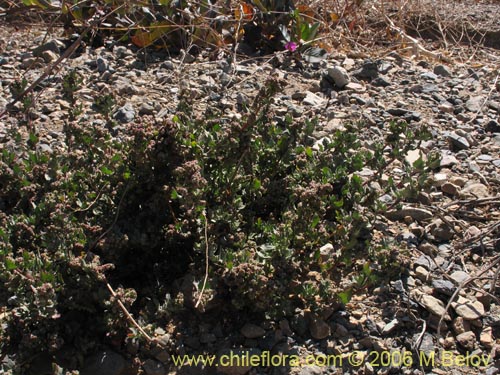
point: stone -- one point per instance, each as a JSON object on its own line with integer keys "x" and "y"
{"x": 413, "y": 155}
{"x": 102, "y": 65}
{"x": 339, "y": 76}
{"x": 125, "y": 114}
{"x": 443, "y": 286}
{"x": 447, "y": 160}
{"x": 458, "y": 181}
{"x": 421, "y": 273}
{"x": 52, "y": 46}
{"x": 49, "y": 56}
{"x": 440, "y": 230}
{"x": 492, "y": 127}
{"x": 318, "y": 328}
{"x": 442, "y": 71}
{"x": 380, "y": 82}
{"x": 458, "y": 142}
{"x": 369, "y": 70}
{"x": 313, "y": 99}
{"x": 469, "y": 310}
{"x": 486, "y": 337}
{"x": 459, "y": 276}
{"x": 449, "y": 188}
{"x": 104, "y": 363}
{"x": 431, "y": 304}
{"x": 446, "y": 108}
{"x": 474, "y": 104}
{"x": 424, "y": 261}
{"x": 152, "y": 367}
{"x": 252, "y": 331}
{"x": 475, "y": 190}
{"x": 467, "y": 340}
{"x": 415, "y": 213}
{"x": 460, "y": 325}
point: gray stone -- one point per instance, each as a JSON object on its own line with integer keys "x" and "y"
{"x": 146, "y": 109}
{"x": 460, "y": 143}
{"x": 125, "y": 114}
{"x": 339, "y": 76}
{"x": 252, "y": 331}
{"x": 49, "y": 56}
{"x": 429, "y": 75}
{"x": 424, "y": 261}
{"x": 380, "y": 82}
{"x": 104, "y": 363}
{"x": 390, "y": 327}
{"x": 443, "y": 286}
{"x": 369, "y": 70}
{"x": 474, "y": 104}
{"x": 442, "y": 71}
{"x": 313, "y": 99}
{"x": 102, "y": 65}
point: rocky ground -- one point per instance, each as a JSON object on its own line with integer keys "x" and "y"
{"x": 451, "y": 234}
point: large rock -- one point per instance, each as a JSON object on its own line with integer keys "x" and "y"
{"x": 339, "y": 76}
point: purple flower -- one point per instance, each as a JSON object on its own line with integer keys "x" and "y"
{"x": 291, "y": 46}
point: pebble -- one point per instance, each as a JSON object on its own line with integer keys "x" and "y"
{"x": 467, "y": 340}
{"x": 449, "y": 188}
{"x": 443, "y": 286}
{"x": 318, "y": 328}
{"x": 468, "y": 310}
{"x": 431, "y": 304}
{"x": 252, "y": 331}
{"x": 125, "y": 114}
{"x": 474, "y": 104}
{"x": 442, "y": 71}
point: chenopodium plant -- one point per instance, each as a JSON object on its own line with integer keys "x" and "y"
{"x": 270, "y": 201}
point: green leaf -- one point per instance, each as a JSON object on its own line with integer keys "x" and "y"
{"x": 345, "y": 296}
{"x": 174, "y": 194}
{"x": 10, "y": 264}
{"x": 256, "y": 184}
{"x": 106, "y": 171}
